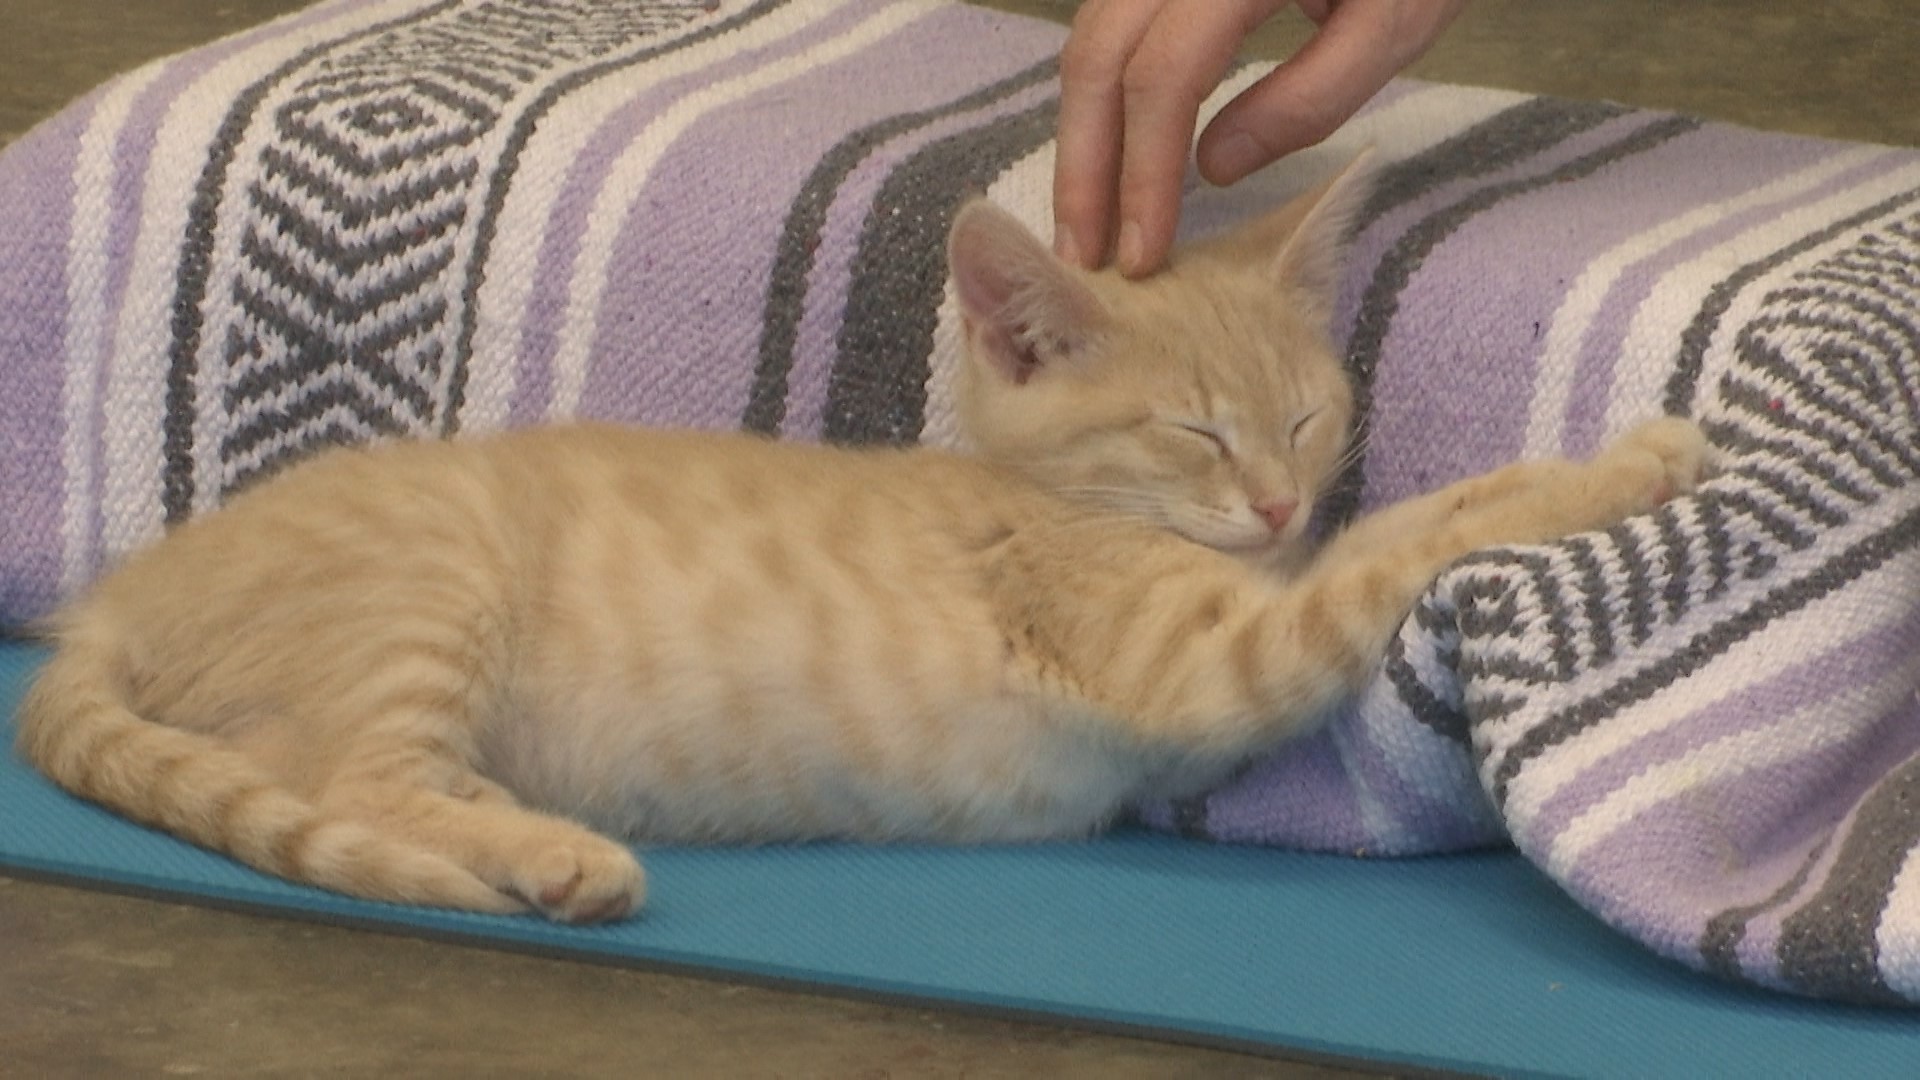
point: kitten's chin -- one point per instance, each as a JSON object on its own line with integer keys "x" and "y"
{"x": 1253, "y": 544}
{"x": 1283, "y": 559}
{"x": 1275, "y": 553}
{"x": 1255, "y": 550}
{"x": 1248, "y": 547}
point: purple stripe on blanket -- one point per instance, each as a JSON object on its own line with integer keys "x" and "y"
{"x": 1823, "y": 679}
{"x": 132, "y": 158}
{"x": 1379, "y": 810}
{"x": 554, "y": 263}
{"x": 1756, "y": 955}
{"x": 1413, "y": 820}
{"x": 1304, "y": 800}
{"x": 1398, "y": 818}
{"x": 1742, "y": 824}
{"x": 1825, "y": 939}
{"x": 133, "y": 149}
{"x": 692, "y": 324}
{"x": 1665, "y": 876}
{"x": 1375, "y": 250}
{"x": 651, "y": 309}
{"x": 33, "y": 350}
{"x": 1752, "y": 162}
{"x": 1466, "y": 173}
{"x": 1542, "y": 241}
{"x": 830, "y": 280}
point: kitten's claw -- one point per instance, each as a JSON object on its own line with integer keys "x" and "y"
{"x": 1678, "y": 446}
{"x": 585, "y": 882}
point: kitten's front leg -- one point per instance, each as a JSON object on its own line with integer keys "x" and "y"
{"x": 1536, "y": 501}
{"x": 1211, "y": 657}
{"x": 1351, "y": 602}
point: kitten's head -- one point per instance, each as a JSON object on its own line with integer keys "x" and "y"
{"x": 1205, "y": 399}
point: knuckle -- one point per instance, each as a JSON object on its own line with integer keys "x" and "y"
{"x": 1096, "y": 50}
{"x": 1309, "y": 118}
{"x": 1147, "y": 79}
{"x": 1076, "y": 203}
{"x": 1083, "y": 62}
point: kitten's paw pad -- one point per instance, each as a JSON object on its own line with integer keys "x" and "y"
{"x": 1680, "y": 448}
{"x": 585, "y": 882}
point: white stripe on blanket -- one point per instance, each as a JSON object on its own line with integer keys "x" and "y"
{"x": 576, "y": 121}
{"x": 1794, "y": 737}
{"x": 1806, "y": 632}
{"x": 88, "y": 345}
{"x": 1569, "y": 326}
{"x": 1657, "y": 326}
{"x": 616, "y": 200}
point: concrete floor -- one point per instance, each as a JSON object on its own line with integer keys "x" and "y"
{"x": 99, "y": 985}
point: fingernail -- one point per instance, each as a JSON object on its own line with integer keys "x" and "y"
{"x": 1234, "y": 157}
{"x": 1065, "y": 246}
{"x": 1133, "y": 252}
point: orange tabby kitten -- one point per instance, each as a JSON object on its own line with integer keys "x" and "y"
{"x": 445, "y": 673}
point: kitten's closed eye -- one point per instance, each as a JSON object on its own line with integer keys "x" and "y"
{"x": 1301, "y": 426}
{"x": 1216, "y": 438}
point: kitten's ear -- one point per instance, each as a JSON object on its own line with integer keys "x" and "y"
{"x": 1315, "y": 228}
{"x": 1024, "y": 308}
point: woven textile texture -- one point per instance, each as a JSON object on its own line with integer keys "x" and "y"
{"x": 407, "y": 218}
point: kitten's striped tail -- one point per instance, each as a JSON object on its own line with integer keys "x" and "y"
{"x": 76, "y": 727}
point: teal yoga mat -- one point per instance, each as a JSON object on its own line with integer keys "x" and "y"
{"x": 1465, "y": 963}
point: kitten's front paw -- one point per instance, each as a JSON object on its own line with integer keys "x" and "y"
{"x": 1678, "y": 451}
{"x": 585, "y": 879}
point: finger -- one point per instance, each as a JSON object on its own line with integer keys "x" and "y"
{"x": 1359, "y": 48}
{"x": 1086, "y": 173}
{"x": 1316, "y": 10}
{"x": 1179, "y": 62}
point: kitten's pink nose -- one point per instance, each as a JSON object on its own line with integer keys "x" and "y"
{"x": 1276, "y": 513}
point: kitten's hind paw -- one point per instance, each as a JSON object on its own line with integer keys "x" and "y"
{"x": 585, "y": 880}
{"x": 1680, "y": 448}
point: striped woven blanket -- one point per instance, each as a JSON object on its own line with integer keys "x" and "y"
{"x": 430, "y": 217}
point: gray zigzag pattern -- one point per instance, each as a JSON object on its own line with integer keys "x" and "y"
{"x": 1818, "y": 418}
{"x": 343, "y": 324}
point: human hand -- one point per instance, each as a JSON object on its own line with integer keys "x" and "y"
{"x": 1134, "y": 73}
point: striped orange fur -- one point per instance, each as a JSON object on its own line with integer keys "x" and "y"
{"x": 467, "y": 673}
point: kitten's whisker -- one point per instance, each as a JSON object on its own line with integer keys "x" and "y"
{"x": 1117, "y": 500}
{"x": 1103, "y": 521}
{"x": 1351, "y": 456}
